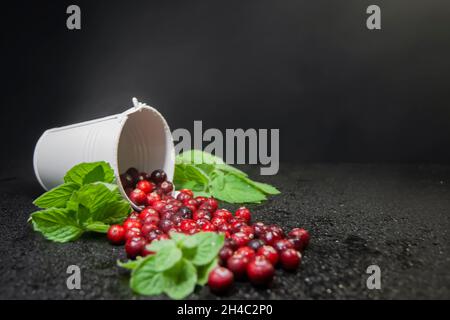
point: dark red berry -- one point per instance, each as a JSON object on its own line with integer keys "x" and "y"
{"x": 127, "y": 181}
{"x": 151, "y": 219}
{"x": 166, "y": 187}
{"x": 152, "y": 198}
{"x": 185, "y": 213}
{"x": 209, "y": 227}
{"x": 153, "y": 235}
{"x": 302, "y": 235}
{"x": 183, "y": 196}
{"x": 132, "y": 232}
{"x": 218, "y": 221}
{"x": 158, "y": 205}
{"x": 260, "y": 271}
{"x": 246, "y": 252}
{"x": 270, "y": 253}
{"x": 134, "y": 246}
{"x": 213, "y": 203}
{"x": 290, "y": 259}
{"x": 238, "y": 265}
{"x": 200, "y": 199}
{"x": 224, "y": 254}
{"x": 166, "y": 225}
{"x": 144, "y": 176}
{"x": 240, "y": 238}
{"x": 147, "y": 228}
{"x": 223, "y": 213}
{"x": 201, "y": 214}
{"x": 158, "y": 176}
{"x": 148, "y": 212}
{"x": 255, "y": 244}
{"x": 191, "y": 202}
{"x": 131, "y": 223}
{"x": 207, "y": 207}
{"x": 237, "y": 225}
{"x": 282, "y": 245}
{"x": 276, "y": 229}
{"x": 133, "y": 216}
{"x": 259, "y": 228}
{"x": 187, "y": 192}
{"x": 220, "y": 280}
{"x": 138, "y": 197}
{"x": 116, "y": 234}
{"x": 188, "y": 226}
{"x": 134, "y": 173}
{"x": 229, "y": 242}
{"x": 248, "y": 230}
{"x": 269, "y": 237}
{"x": 244, "y": 214}
{"x": 145, "y": 186}
{"x": 176, "y": 219}
{"x": 224, "y": 228}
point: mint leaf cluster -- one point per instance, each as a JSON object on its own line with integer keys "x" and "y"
{"x": 86, "y": 201}
{"x": 178, "y": 265}
{"x": 208, "y": 175}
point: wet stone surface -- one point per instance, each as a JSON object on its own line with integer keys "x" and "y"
{"x": 393, "y": 216}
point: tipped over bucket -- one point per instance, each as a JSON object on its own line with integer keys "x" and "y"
{"x": 138, "y": 137}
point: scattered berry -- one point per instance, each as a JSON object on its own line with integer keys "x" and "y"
{"x": 260, "y": 271}
{"x": 290, "y": 259}
{"x": 116, "y": 234}
{"x": 220, "y": 280}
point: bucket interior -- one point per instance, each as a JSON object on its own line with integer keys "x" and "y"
{"x": 145, "y": 143}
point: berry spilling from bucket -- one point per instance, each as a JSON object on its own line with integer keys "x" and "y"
{"x": 251, "y": 251}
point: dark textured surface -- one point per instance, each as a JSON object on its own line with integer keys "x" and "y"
{"x": 395, "y": 216}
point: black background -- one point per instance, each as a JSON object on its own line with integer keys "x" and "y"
{"x": 337, "y": 91}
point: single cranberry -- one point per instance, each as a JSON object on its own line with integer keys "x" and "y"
{"x": 290, "y": 259}
{"x": 246, "y": 252}
{"x": 188, "y": 226}
{"x": 134, "y": 246}
{"x": 260, "y": 271}
{"x": 158, "y": 176}
{"x": 176, "y": 219}
{"x": 144, "y": 176}
{"x": 148, "y": 212}
{"x": 224, "y": 228}
{"x": 255, "y": 244}
{"x": 132, "y": 232}
{"x": 147, "y": 228}
{"x": 138, "y": 197}
{"x": 152, "y": 198}
{"x": 302, "y": 235}
{"x": 185, "y": 213}
{"x": 127, "y": 181}
{"x": 213, "y": 203}
{"x": 248, "y": 230}
{"x": 220, "y": 280}
{"x": 223, "y": 213}
{"x": 218, "y": 221}
{"x": 131, "y": 223}
{"x": 201, "y": 214}
{"x": 158, "y": 205}
{"x": 238, "y": 265}
{"x": 276, "y": 229}
{"x": 230, "y": 243}
{"x": 166, "y": 187}
{"x": 153, "y": 235}
{"x": 207, "y": 207}
{"x": 224, "y": 254}
{"x": 282, "y": 245}
{"x": 200, "y": 199}
{"x": 244, "y": 214}
{"x": 166, "y": 225}
{"x": 183, "y": 196}
{"x": 269, "y": 237}
{"x": 145, "y": 186}
{"x": 201, "y": 222}
{"x": 237, "y": 225}
{"x": 270, "y": 253}
{"x": 191, "y": 202}
{"x": 134, "y": 173}
{"x": 151, "y": 220}
{"x": 146, "y": 252}
{"x": 188, "y": 192}
{"x": 116, "y": 234}
{"x": 169, "y": 208}
{"x": 209, "y": 227}
{"x": 240, "y": 238}
{"x": 133, "y": 216}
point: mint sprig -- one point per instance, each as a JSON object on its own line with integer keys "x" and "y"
{"x": 208, "y": 175}
{"x": 87, "y": 201}
{"x": 178, "y": 265}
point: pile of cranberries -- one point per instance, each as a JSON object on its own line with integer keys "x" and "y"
{"x": 251, "y": 250}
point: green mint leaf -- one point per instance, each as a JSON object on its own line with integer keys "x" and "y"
{"x": 166, "y": 256}
{"x": 130, "y": 264}
{"x": 264, "y": 187}
{"x": 84, "y": 170}
{"x": 95, "y": 175}
{"x": 234, "y": 189}
{"x": 97, "y": 227}
{"x": 203, "y": 271}
{"x": 208, "y": 246}
{"x": 146, "y": 281}
{"x": 180, "y": 280}
{"x": 190, "y": 177}
{"x": 57, "y": 224}
{"x": 56, "y": 197}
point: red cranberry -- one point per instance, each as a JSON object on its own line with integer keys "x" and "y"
{"x": 153, "y": 235}
{"x": 240, "y": 238}
{"x": 134, "y": 246}
{"x": 148, "y": 212}
{"x": 218, "y": 221}
{"x": 290, "y": 259}
{"x": 138, "y": 197}
{"x": 213, "y": 203}
{"x": 224, "y": 254}
{"x": 248, "y": 230}
{"x": 185, "y": 213}
{"x": 166, "y": 225}
{"x": 223, "y": 213}
{"x": 151, "y": 220}
{"x": 145, "y": 186}
{"x": 255, "y": 244}
{"x": 188, "y": 192}
{"x": 134, "y": 173}
{"x": 128, "y": 191}
{"x": 191, "y": 202}
{"x": 169, "y": 208}
{"x": 201, "y": 214}
{"x": 230, "y": 243}
{"x": 237, "y": 225}
{"x": 259, "y": 228}
{"x": 269, "y": 237}
{"x": 224, "y": 228}
{"x": 144, "y": 176}
{"x": 244, "y": 214}
{"x": 146, "y": 252}
{"x": 131, "y": 223}
{"x": 166, "y": 187}
{"x": 201, "y": 222}
{"x": 133, "y": 216}
{"x": 209, "y": 227}
{"x": 220, "y": 280}
{"x": 207, "y": 207}
{"x": 147, "y": 228}
{"x": 238, "y": 265}
{"x": 188, "y": 226}
{"x": 183, "y": 196}
{"x": 132, "y": 232}
{"x": 200, "y": 199}
{"x": 260, "y": 271}
{"x": 127, "y": 181}
{"x": 276, "y": 229}
{"x": 282, "y": 245}
{"x": 158, "y": 176}
{"x": 176, "y": 219}
{"x": 152, "y": 198}
{"x": 116, "y": 234}
{"x": 246, "y": 252}
{"x": 270, "y": 253}
{"x": 158, "y": 205}
{"x": 302, "y": 235}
